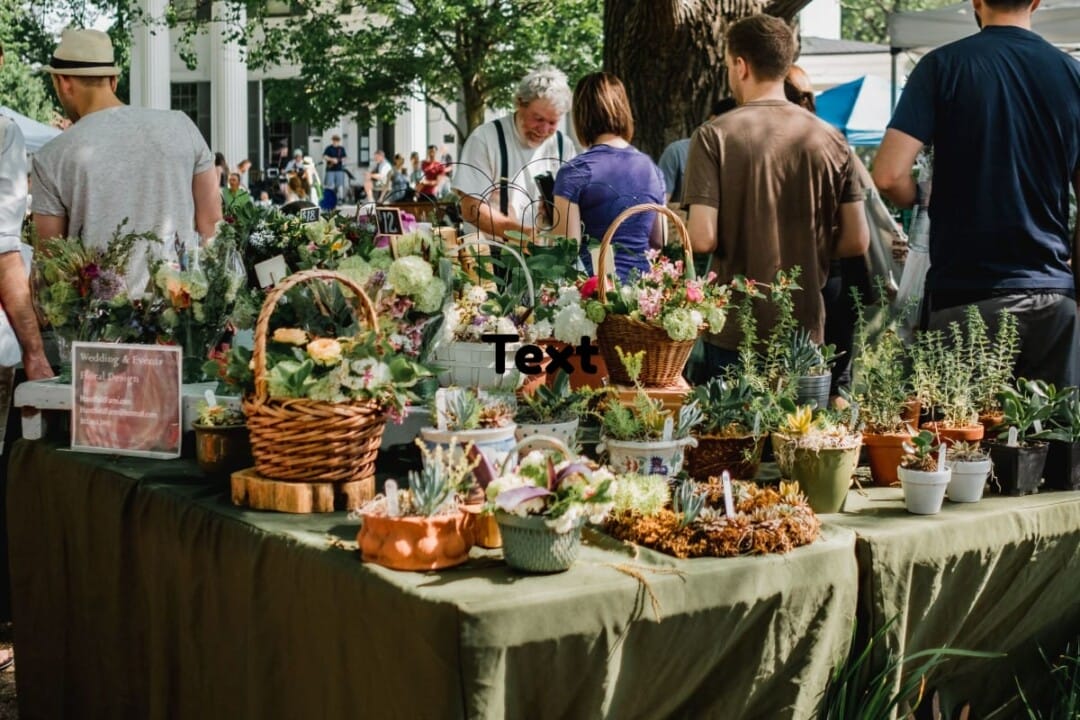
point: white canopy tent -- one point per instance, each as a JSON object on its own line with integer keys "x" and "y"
{"x": 1056, "y": 20}
{"x": 34, "y": 133}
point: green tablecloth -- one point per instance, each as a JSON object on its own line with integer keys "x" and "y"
{"x": 1001, "y": 575}
{"x": 139, "y": 591}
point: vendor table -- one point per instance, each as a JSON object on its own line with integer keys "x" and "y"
{"x": 1001, "y": 575}
{"x": 140, "y": 592}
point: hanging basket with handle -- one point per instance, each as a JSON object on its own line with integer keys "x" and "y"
{"x": 664, "y": 358}
{"x": 299, "y": 439}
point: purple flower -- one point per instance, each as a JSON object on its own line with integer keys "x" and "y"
{"x": 106, "y": 285}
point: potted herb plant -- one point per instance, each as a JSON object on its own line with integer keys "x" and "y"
{"x": 551, "y": 411}
{"x": 221, "y": 439}
{"x": 1019, "y": 457}
{"x": 421, "y": 528}
{"x": 732, "y": 432}
{"x": 923, "y": 475}
{"x": 809, "y": 366}
{"x": 644, "y": 437}
{"x": 945, "y": 383}
{"x": 820, "y": 453}
{"x": 992, "y": 362}
{"x": 1063, "y": 433}
{"x": 970, "y": 464}
{"x": 542, "y": 504}
{"x": 466, "y": 416}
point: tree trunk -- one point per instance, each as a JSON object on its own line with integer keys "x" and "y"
{"x": 670, "y": 56}
{"x": 474, "y": 101}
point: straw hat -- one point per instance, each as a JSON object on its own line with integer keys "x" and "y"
{"x": 86, "y": 53}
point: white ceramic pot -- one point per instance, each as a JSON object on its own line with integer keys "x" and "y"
{"x": 565, "y": 431}
{"x": 495, "y": 443}
{"x": 473, "y": 365}
{"x": 924, "y": 491}
{"x": 968, "y": 480}
{"x": 658, "y": 457}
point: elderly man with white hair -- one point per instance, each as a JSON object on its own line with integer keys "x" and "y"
{"x": 502, "y": 159}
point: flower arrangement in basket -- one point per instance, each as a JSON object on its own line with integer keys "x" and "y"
{"x": 661, "y": 312}
{"x": 316, "y": 405}
{"x": 714, "y": 519}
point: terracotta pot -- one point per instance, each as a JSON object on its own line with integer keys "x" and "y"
{"x": 222, "y": 450}
{"x": 912, "y": 409}
{"x": 484, "y": 528}
{"x": 989, "y": 421}
{"x": 739, "y": 455}
{"x": 884, "y": 452}
{"x": 949, "y": 435}
{"x": 415, "y": 543}
{"x": 578, "y": 377}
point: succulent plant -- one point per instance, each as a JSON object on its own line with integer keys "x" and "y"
{"x": 687, "y": 503}
{"x": 967, "y": 452}
{"x": 429, "y": 489}
{"x": 920, "y": 453}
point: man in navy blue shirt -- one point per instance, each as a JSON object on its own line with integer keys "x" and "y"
{"x": 1002, "y": 111}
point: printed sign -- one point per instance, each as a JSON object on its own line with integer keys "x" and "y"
{"x": 271, "y": 272}
{"x": 309, "y": 214}
{"x": 388, "y": 221}
{"x": 126, "y": 399}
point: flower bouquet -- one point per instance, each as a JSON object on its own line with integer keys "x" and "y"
{"x": 317, "y": 404}
{"x": 662, "y": 311}
{"x": 199, "y": 292}
{"x": 542, "y": 504}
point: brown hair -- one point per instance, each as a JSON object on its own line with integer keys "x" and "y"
{"x": 297, "y": 186}
{"x": 765, "y": 42}
{"x": 601, "y": 106}
{"x": 798, "y": 88}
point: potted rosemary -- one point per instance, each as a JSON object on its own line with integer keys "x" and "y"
{"x": 221, "y": 439}
{"x": 732, "y": 432}
{"x": 1019, "y": 456}
{"x": 924, "y": 475}
{"x": 970, "y": 464}
{"x": 1063, "y": 434}
{"x": 820, "y": 453}
{"x": 644, "y": 437}
{"x": 944, "y": 382}
{"x": 551, "y": 411}
{"x": 464, "y": 415}
{"x": 992, "y": 362}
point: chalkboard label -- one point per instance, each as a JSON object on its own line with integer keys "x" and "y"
{"x": 388, "y": 221}
{"x": 309, "y": 215}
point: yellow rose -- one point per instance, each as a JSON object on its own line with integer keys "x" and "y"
{"x": 324, "y": 351}
{"x": 290, "y": 336}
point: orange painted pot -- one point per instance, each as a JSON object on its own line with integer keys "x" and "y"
{"x": 484, "y": 528}
{"x": 949, "y": 435}
{"x": 883, "y": 452}
{"x": 415, "y": 543}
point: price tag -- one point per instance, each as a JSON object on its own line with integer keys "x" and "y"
{"x": 309, "y": 215}
{"x": 440, "y": 408}
{"x": 1038, "y": 426}
{"x": 1014, "y": 437}
{"x": 388, "y": 221}
{"x": 729, "y": 502}
{"x": 669, "y": 428}
{"x": 941, "y": 457}
{"x": 757, "y": 423}
{"x": 211, "y": 399}
{"x": 393, "y": 508}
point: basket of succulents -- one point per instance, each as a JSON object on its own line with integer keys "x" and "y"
{"x": 423, "y": 527}
{"x": 661, "y": 312}
{"x": 468, "y": 350}
{"x": 732, "y": 433}
{"x": 552, "y": 410}
{"x": 643, "y": 436}
{"x": 484, "y": 418}
{"x": 971, "y": 465}
{"x": 316, "y": 404}
{"x": 1063, "y": 433}
{"x": 820, "y": 453}
{"x": 543, "y": 502}
{"x": 221, "y": 439}
{"x": 714, "y": 519}
{"x": 924, "y": 474}
{"x": 1019, "y": 452}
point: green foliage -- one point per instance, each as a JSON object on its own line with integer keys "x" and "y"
{"x": 730, "y": 406}
{"x": 880, "y": 381}
{"x": 429, "y": 488}
{"x": 643, "y": 495}
{"x": 805, "y": 357}
{"x": 921, "y": 452}
{"x": 1029, "y": 402}
{"x": 1065, "y": 676}
{"x": 434, "y": 50}
{"x": 24, "y": 92}
{"x": 991, "y": 362}
{"x": 866, "y": 20}
{"x": 463, "y": 410}
{"x": 1064, "y": 424}
{"x": 961, "y": 451}
{"x": 687, "y": 503}
{"x": 554, "y": 404}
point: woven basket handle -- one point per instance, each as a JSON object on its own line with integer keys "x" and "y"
{"x": 543, "y": 441}
{"x": 365, "y": 311}
{"x": 601, "y": 269}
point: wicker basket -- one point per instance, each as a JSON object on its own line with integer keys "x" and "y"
{"x": 664, "y": 358}
{"x": 303, "y": 440}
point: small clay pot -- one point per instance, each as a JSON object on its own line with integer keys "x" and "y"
{"x": 222, "y": 449}
{"x": 484, "y": 528}
{"x": 883, "y": 452}
{"x": 910, "y": 415}
{"x": 989, "y": 421}
{"x": 948, "y": 435}
{"x": 415, "y": 543}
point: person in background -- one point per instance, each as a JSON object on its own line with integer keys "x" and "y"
{"x": 222, "y": 168}
{"x": 264, "y": 200}
{"x": 434, "y": 174}
{"x": 416, "y": 171}
{"x": 242, "y": 167}
{"x": 673, "y": 160}
{"x": 311, "y": 179}
{"x": 399, "y": 183}
{"x": 770, "y": 186}
{"x": 334, "y": 177}
{"x": 234, "y": 194}
{"x": 296, "y": 197}
{"x": 608, "y": 177}
{"x": 501, "y": 159}
{"x": 1001, "y": 109}
{"x": 377, "y": 181}
{"x": 161, "y": 152}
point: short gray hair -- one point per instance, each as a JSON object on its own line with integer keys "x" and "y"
{"x": 547, "y": 83}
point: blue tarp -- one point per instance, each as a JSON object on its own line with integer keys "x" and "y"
{"x": 860, "y": 109}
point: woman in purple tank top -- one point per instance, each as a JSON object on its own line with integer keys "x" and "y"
{"x": 610, "y": 176}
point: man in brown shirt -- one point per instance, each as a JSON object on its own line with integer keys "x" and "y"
{"x": 770, "y": 186}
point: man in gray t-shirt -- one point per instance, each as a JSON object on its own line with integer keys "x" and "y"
{"x": 158, "y": 158}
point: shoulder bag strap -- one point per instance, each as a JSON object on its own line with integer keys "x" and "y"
{"x": 504, "y": 169}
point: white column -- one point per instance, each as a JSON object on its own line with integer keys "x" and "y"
{"x": 150, "y": 58}
{"x": 229, "y": 93}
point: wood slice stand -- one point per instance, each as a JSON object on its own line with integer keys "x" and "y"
{"x": 250, "y": 489}
{"x": 672, "y": 395}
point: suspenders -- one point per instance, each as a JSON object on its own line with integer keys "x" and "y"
{"x": 504, "y": 165}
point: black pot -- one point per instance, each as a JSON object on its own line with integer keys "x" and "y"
{"x": 1018, "y": 469}
{"x": 1063, "y": 465}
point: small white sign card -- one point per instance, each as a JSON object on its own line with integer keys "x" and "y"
{"x": 126, "y": 399}
{"x": 271, "y": 272}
